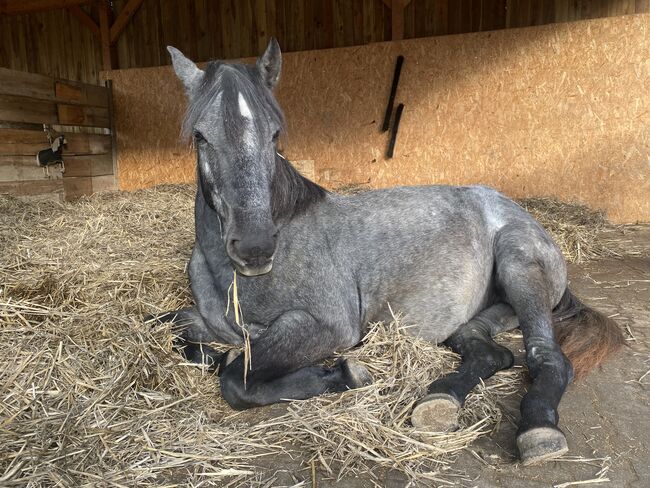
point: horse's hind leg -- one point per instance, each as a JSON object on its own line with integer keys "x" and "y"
{"x": 532, "y": 277}
{"x": 481, "y": 358}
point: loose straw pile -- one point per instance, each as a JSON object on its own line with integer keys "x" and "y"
{"x": 93, "y": 396}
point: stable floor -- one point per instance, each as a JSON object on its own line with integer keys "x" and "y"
{"x": 606, "y": 417}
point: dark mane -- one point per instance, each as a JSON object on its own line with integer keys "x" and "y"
{"x": 292, "y": 193}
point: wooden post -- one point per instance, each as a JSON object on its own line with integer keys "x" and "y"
{"x": 397, "y": 7}
{"x": 111, "y": 113}
{"x": 105, "y": 20}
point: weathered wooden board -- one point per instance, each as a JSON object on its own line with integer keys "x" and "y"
{"x": 17, "y": 168}
{"x": 15, "y": 108}
{"x": 82, "y": 94}
{"x": 29, "y": 142}
{"x": 559, "y": 110}
{"x": 51, "y": 43}
{"x": 76, "y": 187}
{"x": 104, "y": 183}
{"x": 83, "y": 115}
{"x": 26, "y": 84}
{"x": 80, "y": 143}
{"x": 28, "y": 101}
{"x": 22, "y": 142}
{"x": 52, "y": 188}
{"x": 99, "y": 165}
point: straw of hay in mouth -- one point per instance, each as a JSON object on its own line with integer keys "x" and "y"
{"x": 240, "y": 322}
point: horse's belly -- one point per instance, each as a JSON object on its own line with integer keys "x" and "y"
{"x": 437, "y": 307}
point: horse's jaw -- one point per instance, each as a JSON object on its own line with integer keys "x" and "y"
{"x": 251, "y": 271}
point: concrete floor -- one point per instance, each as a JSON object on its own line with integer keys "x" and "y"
{"x": 607, "y": 415}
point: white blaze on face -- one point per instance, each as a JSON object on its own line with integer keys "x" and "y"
{"x": 249, "y": 131}
{"x": 244, "y": 109}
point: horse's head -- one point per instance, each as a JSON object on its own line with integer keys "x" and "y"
{"x": 235, "y": 121}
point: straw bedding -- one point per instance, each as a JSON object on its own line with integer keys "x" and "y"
{"x": 93, "y": 396}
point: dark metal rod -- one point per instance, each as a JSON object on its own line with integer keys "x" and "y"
{"x": 393, "y": 93}
{"x": 393, "y": 132}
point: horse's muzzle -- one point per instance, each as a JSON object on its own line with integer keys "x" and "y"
{"x": 257, "y": 270}
{"x": 252, "y": 254}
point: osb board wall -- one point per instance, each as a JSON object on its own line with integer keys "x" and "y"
{"x": 560, "y": 110}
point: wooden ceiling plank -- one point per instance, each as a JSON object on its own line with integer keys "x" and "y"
{"x": 15, "y": 7}
{"x": 123, "y": 19}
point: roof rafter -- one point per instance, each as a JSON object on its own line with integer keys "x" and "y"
{"x": 84, "y": 18}
{"x": 123, "y": 18}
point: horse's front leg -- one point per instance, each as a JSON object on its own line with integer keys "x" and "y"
{"x": 281, "y": 364}
{"x": 481, "y": 358}
{"x": 192, "y": 335}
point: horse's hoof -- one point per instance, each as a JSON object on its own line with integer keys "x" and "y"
{"x": 436, "y": 412}
{"x": 541, "y": 444}
{"x": 356, "y": 375}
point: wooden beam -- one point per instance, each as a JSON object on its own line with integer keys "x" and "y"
{"x": 105, "y": 19}
{"x": 397, "y": 11}
{"x": 123, "y": 19}
{"x": 14, "y": 7}
{"x": 85, "y": 19}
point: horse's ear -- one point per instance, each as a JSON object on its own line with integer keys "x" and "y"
{"x": 188, "y": 72}
{"x": 270, "y": 64}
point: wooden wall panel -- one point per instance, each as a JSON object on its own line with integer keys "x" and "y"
{"x": 51, "y": 43}
{"x": 55, "y": 43}
{"x": 560, "y": 110}
{"x": 27, "y": 101}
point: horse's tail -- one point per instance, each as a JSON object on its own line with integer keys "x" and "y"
{"x": 586, "y": 336}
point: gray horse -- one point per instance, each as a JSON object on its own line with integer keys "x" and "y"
{"x": 462, "y": 263}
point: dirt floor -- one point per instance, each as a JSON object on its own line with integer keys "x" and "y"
{"x": 606, "y": 417}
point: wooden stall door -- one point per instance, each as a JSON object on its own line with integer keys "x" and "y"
{"x": 29, "y": 103}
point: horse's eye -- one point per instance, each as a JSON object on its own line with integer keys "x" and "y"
{"x": 198, "y": 137}
{"x": 276, "y": 135}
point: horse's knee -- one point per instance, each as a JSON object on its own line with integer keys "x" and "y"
{"x": 500, "y": 357}
{"x": 476, "y": 346}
